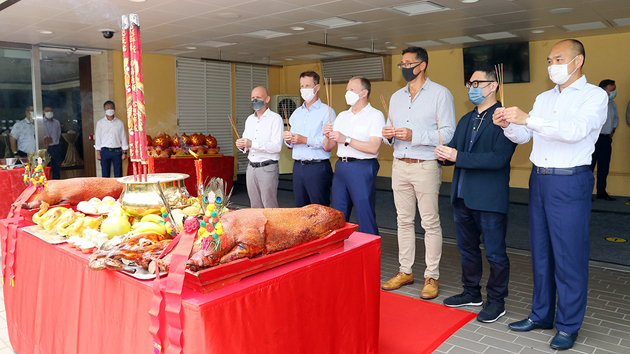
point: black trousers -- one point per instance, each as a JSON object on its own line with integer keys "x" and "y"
{"x": 601, "y": 158}
{"x": 56, "y": 158}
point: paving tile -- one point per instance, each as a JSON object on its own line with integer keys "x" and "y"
{"x": 501, "y": 344}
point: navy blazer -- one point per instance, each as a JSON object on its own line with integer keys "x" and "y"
{"x": 486, "y": 184}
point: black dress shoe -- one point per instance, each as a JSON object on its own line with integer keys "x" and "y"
{"x": 563, "y": 340}
{"x": 527, "y": 325}
{"x": 605, "y": 197}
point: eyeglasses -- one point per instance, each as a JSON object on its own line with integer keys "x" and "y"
{"x": 408, "y": 65}
{"x": 476, "y": 83}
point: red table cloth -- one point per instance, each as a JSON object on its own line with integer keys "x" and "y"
{"x": 221, "y": 166}
{"x": 11, "y": 186}
{"x": 325, "y": 303}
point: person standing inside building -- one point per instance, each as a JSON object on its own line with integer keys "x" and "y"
{"x": 603, "y": 146}
{"x": 357, "y": 135}
{"x": 52, "y": 134}
{"x": 564, "y": 123}
{"x": 22, "y": 137}
{"x": 110, "y": 141}
{"x": 312, "y": 172}
{"x": 263, "y": 139}
{"x": 414, "y": 111}
{"x": 480, "y": 194}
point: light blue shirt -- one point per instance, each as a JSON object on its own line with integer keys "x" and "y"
{"x": 52, "y": 129}
{"x": 419, "y": 114}
{"x": 310, "y": 123}
{"x": 613, "y": 118}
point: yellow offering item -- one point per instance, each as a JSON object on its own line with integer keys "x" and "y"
{"x": 115, "y": 226}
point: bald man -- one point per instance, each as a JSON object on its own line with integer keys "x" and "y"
{"x": 564, "y": 124}
{"x": 263, "y": 139}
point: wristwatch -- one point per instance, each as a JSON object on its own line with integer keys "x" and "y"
{"x": 15, "y": 152}
{"x": 347, "y": 141}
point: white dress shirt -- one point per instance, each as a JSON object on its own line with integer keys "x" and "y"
{"x": 24, "y": 132}
{"x": 565, "y": 125}
{"x": 52, "y": 129}
{"x": 110, "y": 134}
{"x": 369, "y": 122}
{"x": 266, "y": 136}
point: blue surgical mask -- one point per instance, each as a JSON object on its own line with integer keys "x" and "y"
{"x": 612, "y": 95}
{"x": 475, "y": 95}
{"x": 258, "y": 104}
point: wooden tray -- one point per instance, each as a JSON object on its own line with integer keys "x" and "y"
{"x": 230, "y": 273}
{"x": 192, "y": 157}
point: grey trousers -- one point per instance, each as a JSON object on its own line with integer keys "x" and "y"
{"x": 262, "y": 186}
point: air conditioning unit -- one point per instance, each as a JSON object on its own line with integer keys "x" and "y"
{"x": 284, "y": 104}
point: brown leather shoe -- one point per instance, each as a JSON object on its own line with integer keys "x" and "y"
{"x": 397, "y": 281}
{"x": 430, "y": 290}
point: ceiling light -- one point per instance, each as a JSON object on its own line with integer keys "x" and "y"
{"x": 391, "y": 47}
{"x": 350, "y": 38}
{"x": 289, "y": 59}
{"x": 468, "y": 1}
{"x": 496, "y": 35}
{"x": 333, "y": 22}
{"x": 424, "y": 43}
{"x": 335, "y": 54}
{"x": 538, "y": 31}
{"x": 584, "y": 26}
{"x": 417, "y": 8}
{"x": 622, "y": 21}
{"x": 228, "y": 15}
{"x": 457, "y": 40}
{"x": 44, "y": 32}
{"x": 297, "y": 28}
{"x": 215, "y": 44}
{"x": 560, "y": 11}
{"x": 191, "y": 48}
{"x": 266, "y": 34}
{"x": 137, "y": 0}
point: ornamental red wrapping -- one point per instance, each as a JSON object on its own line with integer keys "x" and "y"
{"x": 137, "y": 88}
{"x": 128, "y": 95}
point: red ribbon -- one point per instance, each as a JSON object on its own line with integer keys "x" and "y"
{"x": 13, "y": 219}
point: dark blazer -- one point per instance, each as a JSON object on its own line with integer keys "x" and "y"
{"x": 487, "y": 177}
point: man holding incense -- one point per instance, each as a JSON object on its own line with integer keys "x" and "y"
{"x": 263, "y": 138}
{"x": 565, "y": 123}
{"x": 357, "y": 135}
{"x": 312, "y": 172}
{"x": 480, "y": 192}
{"x": 421, "y": 117}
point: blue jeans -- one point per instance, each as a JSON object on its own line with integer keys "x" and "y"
{"x": 109, "y": 156}
{"x": 470, "y": 226}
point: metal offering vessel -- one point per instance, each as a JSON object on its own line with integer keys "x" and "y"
{"x": 141, "y": 198}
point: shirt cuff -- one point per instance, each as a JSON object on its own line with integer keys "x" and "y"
{"x": 534, "y": 123}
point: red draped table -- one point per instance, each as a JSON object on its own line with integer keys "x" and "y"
{"x": 216, "y": 166}
{"x": 325, "y": 303}
{"x": 11, "y": 186}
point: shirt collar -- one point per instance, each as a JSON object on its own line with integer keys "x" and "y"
{"x": 315, "y": 105}
{"x": 578, "y": 84}
{"x": 27, "y": 121}
{"x": 426, "y": 86}
{"x": 361, "y": 111}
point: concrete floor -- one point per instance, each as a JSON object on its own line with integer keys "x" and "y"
{"x": 606, "y": 327}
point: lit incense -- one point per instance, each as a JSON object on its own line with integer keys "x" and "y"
{"x": 151, "y": 164}
{"x": 439, "y": 133}
{"x": 199, "y": 171}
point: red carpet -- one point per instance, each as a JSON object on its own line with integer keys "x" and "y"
{"x": 416, "y": 326}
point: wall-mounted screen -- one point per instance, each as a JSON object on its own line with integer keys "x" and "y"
{"x": 514, "y": 56}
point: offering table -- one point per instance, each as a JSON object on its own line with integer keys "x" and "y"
{"x": 12, "y": 185}
{"x": 325, "y": 303}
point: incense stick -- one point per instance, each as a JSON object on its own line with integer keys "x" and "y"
{"x": 439, "y": 133}
{"x": 328, "y": 98}
{"x": 499, "y": 71}
{"x": 284, "y": 108}
{"x": 233, "y": 126}
{"x": 387, "y": 110}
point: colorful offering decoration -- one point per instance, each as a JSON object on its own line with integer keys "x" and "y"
{"x": 134, "y": 88}
{"x": 37, "y": 177}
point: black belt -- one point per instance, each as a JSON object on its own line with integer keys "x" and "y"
{"x": 262, "y": 164}
{"x": 309, "y": 162}
{"x": 604, "y": 134}
{"x": 352, "y": 159}
{"x": 561, "y": 171}
{"x": 111, "y": 149}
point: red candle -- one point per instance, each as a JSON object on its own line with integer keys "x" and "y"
{"x": 151, "y": 164}
{"x": 199, "y": 170}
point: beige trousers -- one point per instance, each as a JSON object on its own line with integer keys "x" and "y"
{"x": 419, "y": 182}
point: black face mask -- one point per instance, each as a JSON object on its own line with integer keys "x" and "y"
{"x": 408, "y": 74}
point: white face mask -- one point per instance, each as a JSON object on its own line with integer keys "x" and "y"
{"x": 110, "y": 112}
{"x": 352, "y": 98}
{"x": 559, "y": 73}
{"x": 31, "y": 115}
{"x": 307, "y": 94}
{"x": 48, "y": 115}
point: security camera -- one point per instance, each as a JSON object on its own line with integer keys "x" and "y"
{"x": 107, "y": 33}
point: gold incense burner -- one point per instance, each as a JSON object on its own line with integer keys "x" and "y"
{"x": 141, "y": 198}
